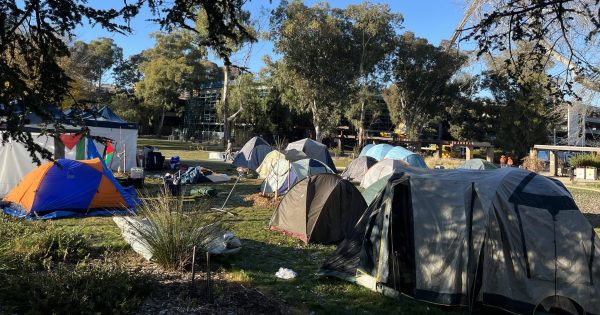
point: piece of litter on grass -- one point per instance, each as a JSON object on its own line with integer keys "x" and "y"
{"x": 285, "y": 273}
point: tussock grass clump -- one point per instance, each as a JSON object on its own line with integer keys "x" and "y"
{"x": 172, "y": 232}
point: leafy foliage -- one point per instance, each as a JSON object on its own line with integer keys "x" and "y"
{"x": 585, "y": 160}
{"x": 421, "y": 75}
{"x": 374, "y": 29}
{"x": 566, "y": 30}
{"x": 32, "y": 44}
{"x": 171, "y": 67}
{"x": 524, "y": 105}
{"x": 317, "y": 66}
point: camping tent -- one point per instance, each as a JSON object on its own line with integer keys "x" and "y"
{"x": 373, "y": 190}
{"x": 15, "y": 160}
{"x": 509, "y": 238}
{"x": 268, "y": 163}
{"x": 382, "y": 168}
{"x": 366, "y": 149}
{"x": 252, "y": 153}
{"x": 400, "y": 153}
{"x": 284, "y": 174}
{"x": 320, "y": 209}
{"x": 477, "y": 164}
{"x": 357, "y": 168}
{"x": 313, "y": 150}
{"x": 105, "y": 123}
{"x": 379, "y": 151}
{"x": 68, "y": 188}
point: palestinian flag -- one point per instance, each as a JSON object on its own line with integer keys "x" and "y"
{"x": 109, "y": 152}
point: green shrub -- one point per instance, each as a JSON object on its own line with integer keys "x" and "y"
{"x": 174, "y": 232}
{"x": 585, "y": 160}
{"x": 68, "y": 290}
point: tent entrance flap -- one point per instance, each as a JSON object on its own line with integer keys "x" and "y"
{"x": 401, "y": 264}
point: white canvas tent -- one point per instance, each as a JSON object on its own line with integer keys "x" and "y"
{"x": 105, "y": 123}
{"x": 15, "y": 161}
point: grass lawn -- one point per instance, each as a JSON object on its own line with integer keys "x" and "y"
{"x": 265, "y": 251}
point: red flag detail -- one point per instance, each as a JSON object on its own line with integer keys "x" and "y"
{"x": 70, "y": 139}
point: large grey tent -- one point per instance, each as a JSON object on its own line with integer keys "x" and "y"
{"x": 477, "y": 164}
{"x": 511, "y": 239}
{"x": 320, "y": 209}
{"x": 313, "y": 150}
{"x": 252, "y": 153}
{"x": 357, "y": 168}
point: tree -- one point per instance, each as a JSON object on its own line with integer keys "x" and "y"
{"x": 317, "y": 67}
{"x": 171, "y": 67}
{"x": 421, "y": 75}
{"x": 127, "y": 73}
{"x": 565, "y": 30}
{"x": 373, "y": 32}
{"x": 225, "y": 51}
{"x": 104, "y": 54}
{"x": 32, "y": 45}
{"x": 127, "y": 106}
{"x": 524, "y": 105}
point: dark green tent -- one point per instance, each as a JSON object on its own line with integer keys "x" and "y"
{"x": 321, "y": 208}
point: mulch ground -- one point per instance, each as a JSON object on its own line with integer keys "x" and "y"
{"x": 259, "y": 200}
{"x": 174, "y": 294}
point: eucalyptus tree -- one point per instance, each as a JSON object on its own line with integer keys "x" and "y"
{"x": 174, "y": 65}
{"x": 225, "y": 52}
{"x": 374, "y": 28}
{"x": 421, "y": 75}
{"x": 317, "y": 66}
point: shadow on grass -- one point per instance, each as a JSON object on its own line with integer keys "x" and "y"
{"x": 259, "y": 261}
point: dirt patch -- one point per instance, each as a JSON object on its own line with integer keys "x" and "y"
{"x": 258, "y": 200}
{"x": 174, "y": 294}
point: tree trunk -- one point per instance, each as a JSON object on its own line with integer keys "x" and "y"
{"x": 318, "y": 133}
{"x": 316, "y": 122}
{"x": 361, "y": 128}
{"x": 225, "y": 105}
{"x": 161, "y": 122}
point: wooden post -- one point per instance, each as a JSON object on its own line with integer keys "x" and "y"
{"x": 553, "y": 163}
{"x": 489, "y": 154}
{"x": 438, "y": 152}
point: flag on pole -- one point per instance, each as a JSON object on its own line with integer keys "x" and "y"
{"x": 109, "y": 152}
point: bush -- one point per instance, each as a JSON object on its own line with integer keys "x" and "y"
{"x": 69, "y": 290}
{"x": 585, "y": 160}
{"x": 173, "y": 232}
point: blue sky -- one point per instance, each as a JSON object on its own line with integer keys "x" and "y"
{"x": 434, "y": 20}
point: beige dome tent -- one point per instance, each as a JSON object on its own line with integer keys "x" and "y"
{"x": 510, "y": 238}
{"x": 320, "y": 209}
{"x": 269, "y": 162}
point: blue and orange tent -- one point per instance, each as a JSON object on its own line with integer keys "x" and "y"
{"x": 69, "y": 188}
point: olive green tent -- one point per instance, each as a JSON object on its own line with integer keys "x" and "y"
{"x": 321, "y": 208}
